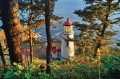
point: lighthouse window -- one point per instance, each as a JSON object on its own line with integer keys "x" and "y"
{"x": 67, "y": 29}
{"x": 67, "y": 44}
{"x": 64, "y": 29}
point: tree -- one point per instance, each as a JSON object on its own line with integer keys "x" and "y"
{"x": 35, "y": 12}
{"x": 11, "y": 24}
{"x": 49, "y": 44}
{"x": 95, "y": 32}
{"x": 32, "y": 20}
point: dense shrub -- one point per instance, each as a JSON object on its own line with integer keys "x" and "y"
{"x": 111, "y": 67}
{"x": 79, "y": 68}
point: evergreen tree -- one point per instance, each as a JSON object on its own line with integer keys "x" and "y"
{"x": 11, "y": 23}
{"x": 95, "y": 33}
{"x": 35, "y": 10}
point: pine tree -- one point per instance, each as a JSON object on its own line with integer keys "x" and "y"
{"x": 11, "y": 23}
{"x": 95, "y": 33}
{"x": 32, "y": 20}
{"x": 35, "y": 11}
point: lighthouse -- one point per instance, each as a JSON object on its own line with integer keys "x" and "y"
{"x": 67, "y": 46}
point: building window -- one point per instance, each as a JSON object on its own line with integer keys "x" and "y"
{"x": 67, "y": 29}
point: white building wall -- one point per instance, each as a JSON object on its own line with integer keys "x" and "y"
{"x": 54, "y": 55}
{"x": 71, "y": 49}
{"x": 67, "y": 51}
{"x": 64, "y": 50}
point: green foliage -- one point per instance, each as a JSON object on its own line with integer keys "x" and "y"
{"x": 79, "y": 68}
{"x": 87, "y": 68}
{"x": 35, "y": 10}
{"x": 111, "y": 66}
{"x": 97, "y": 30}
{"x": 21, "y": 72}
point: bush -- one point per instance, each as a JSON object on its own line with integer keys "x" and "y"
{"x": 79, "y": 68}
{"x": 111, "y": 66}
{"x": 21, "y": 72}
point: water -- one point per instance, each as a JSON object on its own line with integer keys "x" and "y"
{"x": 66, "y": 8}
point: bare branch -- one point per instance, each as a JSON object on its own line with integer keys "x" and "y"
{"x": 25, "y": 32}
{"x": 23, "y": 16}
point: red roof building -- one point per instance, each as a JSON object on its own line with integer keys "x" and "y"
{"x": 53, "y": 49}
{"x": 59, "y": 50}
{"x": 55, "y": 52}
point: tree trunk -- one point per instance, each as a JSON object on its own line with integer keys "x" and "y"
{"x": 47, "y": 23}
{"x": 2, "y": 56}
{"x": 30, "y": 34}
{"x": 11, "y": 23}
{"x": 31, "y": 45}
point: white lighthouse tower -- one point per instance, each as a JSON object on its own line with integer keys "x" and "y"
{"x": 67, "y": 46}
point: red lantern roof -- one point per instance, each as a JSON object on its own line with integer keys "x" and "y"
{"x": 53, "y": 49}
{"x": 67, "y": 23}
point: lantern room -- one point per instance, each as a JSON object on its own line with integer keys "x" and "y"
{"x": 68, "y": 27}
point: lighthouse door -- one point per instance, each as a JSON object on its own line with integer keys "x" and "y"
{"x": 67, "y": 41}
